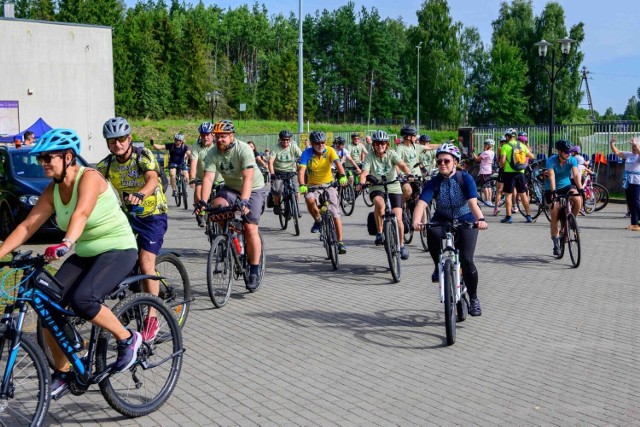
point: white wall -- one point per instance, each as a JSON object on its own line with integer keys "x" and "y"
{"x": 62, "y": 73}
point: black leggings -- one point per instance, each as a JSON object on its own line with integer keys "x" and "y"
{"x": 88, "y": 280}
{"x": 466, "y": 245}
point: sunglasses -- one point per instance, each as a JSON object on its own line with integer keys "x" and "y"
{"x": 379, "y": 143}
{"x": 46, "y": 158}
{"x": 319, "y": 143}
{"x": 120, "y": 139}
{"x": 441, "y": 161}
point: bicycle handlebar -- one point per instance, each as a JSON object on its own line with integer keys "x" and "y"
{"x": 26, "y": 259}
{"x": 453, "y": 224}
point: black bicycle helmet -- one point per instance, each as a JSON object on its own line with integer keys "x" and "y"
{"x": 425, "y": 138}
{"x": 408, "y": 131}
{"x": 317, "y": 136}
{"x": 564, "y": 145}
{"x": 115, "y": 128}
{"x": 285, "y": 134}
{"x": 355, "y": 135}
{"x": 338, "y": 140}
{"x": 380, "y": 136}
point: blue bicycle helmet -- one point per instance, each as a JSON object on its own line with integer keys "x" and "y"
{"x": 205, "y": 127}
{"x": 58, "y": 140}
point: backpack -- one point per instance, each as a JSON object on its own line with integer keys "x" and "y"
{"x": 136, "y": 152}
{"x": 518, "y": 157}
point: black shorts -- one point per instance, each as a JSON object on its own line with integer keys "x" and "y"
{"x": 513, "y": 180}
{"x": 563, "y": 190}
{"x": 397, "y": 200}
{"x": 500, "y": 175}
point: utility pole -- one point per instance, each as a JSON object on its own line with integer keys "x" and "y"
{"x": 418, "y": 89}
{"x": 300, "y": 72}
{"x": 586, "y": 85}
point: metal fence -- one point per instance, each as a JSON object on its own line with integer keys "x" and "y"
{"x": 592, "y": 138}
{"x": 269, "y": 141}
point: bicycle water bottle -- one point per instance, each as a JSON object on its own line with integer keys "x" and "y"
{"x": 241, "y": 243}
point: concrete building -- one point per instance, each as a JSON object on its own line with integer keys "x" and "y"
{"x": 62, "y": 73}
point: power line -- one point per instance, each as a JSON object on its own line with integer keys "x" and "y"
{"x": 616, "y": 75}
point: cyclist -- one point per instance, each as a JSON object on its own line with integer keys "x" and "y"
{"x": 196, "y": 166}
{"x": 317, "y": 161}
{"x": 499, "y": 180}
{"x": 561, "y": 167}
{"x": 486, "y": 159}
{"x": 410, "y": 153}
{"x": 243, "y": 185}
{"x": 179, "y": 154}
{"x": 135, "y": 175}
{"x": 512, "y": 178}
{"x": 427, "y": 158}
{"x": 631, "y": 178}
{"x": 87, "y": 210}
{"x": 456, "y": 197}
{"x": 358, "y": 152}
{"x": 343, "y": 153}
{"x": 384, "y": 162}
{"x": 283, "y": 159}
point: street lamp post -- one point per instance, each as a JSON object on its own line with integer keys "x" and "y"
{"x": 370, "y": 92}
{"x": 212, "y": 100}
{"x": 565, "y": 48}
{"x": 418, "y": 89}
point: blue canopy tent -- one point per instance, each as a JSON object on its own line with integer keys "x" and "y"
{"x": 39, "y": 128}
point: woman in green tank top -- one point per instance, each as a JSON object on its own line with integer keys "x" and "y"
{"x": 88, "y": 211}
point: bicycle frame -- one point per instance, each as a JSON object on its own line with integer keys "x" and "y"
{"x": 449, "y": 251}
{"x": 230, "y": 227}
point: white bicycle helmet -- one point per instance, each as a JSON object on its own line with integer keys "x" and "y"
{"x": 449, "y": 149}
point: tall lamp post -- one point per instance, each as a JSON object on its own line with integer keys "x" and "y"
{"x": 543, "y": 48}
{"x": 212, "y": 100}
{"x": 418, "y": 89}
{"x": 370, "y": 92}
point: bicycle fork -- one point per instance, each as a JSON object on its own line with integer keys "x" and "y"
{"x": 449, "y": 253}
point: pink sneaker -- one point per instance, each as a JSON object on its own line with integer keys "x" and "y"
{"x": 496, "y": 211}
{"x": 150, "y": 329}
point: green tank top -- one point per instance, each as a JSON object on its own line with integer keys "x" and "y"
{"x": 107, "y": 227}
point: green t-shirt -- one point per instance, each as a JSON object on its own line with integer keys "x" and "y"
{"x": 231, "y": 163}
{"x": 107, "y": 227}
{"x": 428, "y": 159}
{"x": 410, "y": 154}
{"x": 385, "y": 166}
{"x": 506, "y": 150}
{"x": 356, "y": 152}
{"x": 285, "y": 158}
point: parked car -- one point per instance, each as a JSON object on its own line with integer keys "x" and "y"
{"x": 22, "y": 181}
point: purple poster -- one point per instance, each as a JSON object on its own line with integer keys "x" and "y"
{"x": 9, "y": 118}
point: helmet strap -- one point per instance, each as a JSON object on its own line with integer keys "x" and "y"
{"x": 126, "y": 154}
{"x": 64, "y": 170}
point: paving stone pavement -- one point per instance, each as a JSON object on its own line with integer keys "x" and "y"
{"x": 554, "y": 345}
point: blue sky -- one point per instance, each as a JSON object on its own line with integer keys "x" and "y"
{"x": 611, "y": 47}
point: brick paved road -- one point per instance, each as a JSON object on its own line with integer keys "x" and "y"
{"x": 554, "y": 346}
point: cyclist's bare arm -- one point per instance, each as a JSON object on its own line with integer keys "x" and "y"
{"x": 272, "y": 159}
{"x": 339, "y": 167}
{"x": 421, "y": 205}
{"x": 161, "y": 147}
{"x": 301, "y": 170}
{"x": 193, "y": 166}
{"x": 402, "y": 166}
{"x": 477, "y": 213}
{"x": 552, "y": 179}
{"x": 207, "y": 183}
{"x": 355, "y": 165}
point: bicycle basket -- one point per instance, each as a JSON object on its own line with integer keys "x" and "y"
{"x": 49, "y": 285}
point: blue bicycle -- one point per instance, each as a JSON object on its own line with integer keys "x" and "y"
{"x": 25, "y": 386}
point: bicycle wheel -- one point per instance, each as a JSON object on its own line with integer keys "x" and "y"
{"x": 534, "y": 207}
{"x": 450, "y": 310}
{"x": 573, "y": 240}
{"x": 347, "y": 199}
{"x": 283, "y": 216}
{"x": 30, "y": 384}
{"x": 392, "y": 248}
{"x": 367, "y": 199}
{"x": 426, "y": 218}
{"x": 263, "y": 266}
{"x": 185, "y": 194}
{"x": 603, "y": 196}
{"x": 294, "y": 209}
{"x": 175, "y": 288}
{"x": 149, "y": 382}
{"x": 219, "y": 271}
{"x": 490, "y": 187}
{"x": 590, "y": 199}
{"x": 563, "y": 234}
{"x": 331, "y": 241}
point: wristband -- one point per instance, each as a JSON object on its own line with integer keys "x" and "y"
{"x": 138, "y": 195}
{"x": 481, "y": 220}
{"x": 69, "y": 241}
{"x": 192, "y": 181}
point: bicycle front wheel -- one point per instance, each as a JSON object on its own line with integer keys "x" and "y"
{"x": 426, "y": 218}
{"x": 450, "y": 310}
{"x": 365, "y": 195}
{"x": 294, "y": 209}
{"x": 392, "y": 248}
{"x": 219, "y": 271}
{"x": 283, "y": 216}
{"x": 176, "y": 194}
{"x": 347, "y": 199}
{"x": 175, "y": 288}
{"x": 29, "y": 382}
{"x": 185, "y": 194}
{"x": 331, "y": 241}
{"x": 573, "y": 240}
{"x": 563, "y": 235}
{"x": 149, "y": 382}
{"x": 407, "y": 215}
{"x": 263, "y": 266}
